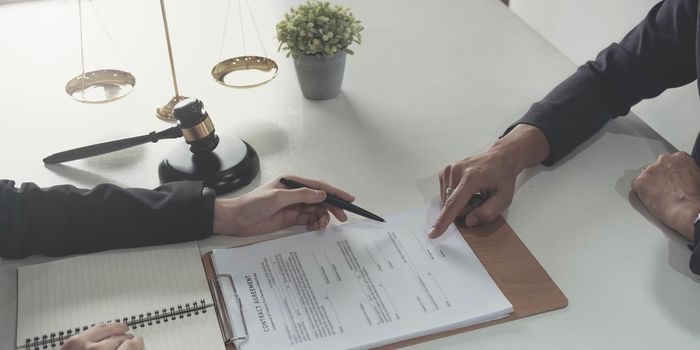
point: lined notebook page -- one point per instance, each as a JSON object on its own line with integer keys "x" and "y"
{"x": 83, "y": 290}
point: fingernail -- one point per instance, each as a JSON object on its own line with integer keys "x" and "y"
{"x": 471, "y": 221}
{"x": 320, "y": 194}
{"x": 130, "y": 336}
{"x": 432, "y": 233}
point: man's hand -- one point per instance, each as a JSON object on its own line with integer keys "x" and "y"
{"x": 108, "y": 336}
{"x": 272, "y": 207}
{"x": 493, "y": 174}
{"x": 670, "y": 190}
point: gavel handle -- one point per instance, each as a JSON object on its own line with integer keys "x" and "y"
{"x": 111, "y": 146}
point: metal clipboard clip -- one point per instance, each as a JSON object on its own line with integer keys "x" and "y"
{"x": 227, "y": 328}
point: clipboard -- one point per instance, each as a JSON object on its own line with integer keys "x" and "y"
{"x": 515, "y": 270}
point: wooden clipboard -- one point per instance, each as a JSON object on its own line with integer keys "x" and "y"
{"x": 515, "y": 270}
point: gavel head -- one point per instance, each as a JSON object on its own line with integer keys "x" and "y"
{"x": 196, "y": 126}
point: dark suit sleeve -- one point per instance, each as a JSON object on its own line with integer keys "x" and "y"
{"x": 695, "y": 258}
{"x": 657, "y": 54}
{"x": 64, "y": 220}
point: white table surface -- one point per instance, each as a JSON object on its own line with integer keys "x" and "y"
{"x": 433, "y": 82}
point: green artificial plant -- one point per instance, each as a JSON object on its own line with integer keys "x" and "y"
{"x": 318, "y": 28}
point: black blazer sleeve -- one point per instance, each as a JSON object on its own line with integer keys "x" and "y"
{"x": 657, "y": 54}
{"x": 695, "y": 257}
{"x": 64, "y": 220}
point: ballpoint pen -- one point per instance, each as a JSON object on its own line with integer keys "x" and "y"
{"x": 335, "y": 201}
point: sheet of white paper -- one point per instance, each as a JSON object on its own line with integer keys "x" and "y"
{"x": 358, "y": 285}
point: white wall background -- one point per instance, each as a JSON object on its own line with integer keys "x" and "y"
{"x": 580, "y": 29}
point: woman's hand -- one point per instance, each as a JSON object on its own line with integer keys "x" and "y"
{"x": 670, "y": 190}
{"x": 108, "y": 336}
{"x": 492, "y": 174}
{"x": 272, "y": 207}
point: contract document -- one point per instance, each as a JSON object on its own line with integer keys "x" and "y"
{"x": 358, "y": 285}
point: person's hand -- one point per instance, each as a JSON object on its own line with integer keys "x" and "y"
{"x": 670, "y": 190}
{"x": 492, "y": 174}
{"x": 108, "y": 336}
{"x": 272, "y": 207}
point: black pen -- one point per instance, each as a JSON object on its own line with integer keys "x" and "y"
{"x": 334, "y": 201}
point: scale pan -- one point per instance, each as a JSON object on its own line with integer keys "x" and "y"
{"x": 100, "y": 86}
{"x": 244, "y": 71}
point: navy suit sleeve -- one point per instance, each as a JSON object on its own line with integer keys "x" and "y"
{"x": 657, "y": 54}
{"x": 64, "y": 220}
{"x": 695, "y": 258}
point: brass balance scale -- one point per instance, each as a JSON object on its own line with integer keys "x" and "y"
{"x": 231, "y": 163}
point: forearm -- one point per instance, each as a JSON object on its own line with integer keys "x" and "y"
{"x": 657, "y": 54}
{"x": 64, "y": 220}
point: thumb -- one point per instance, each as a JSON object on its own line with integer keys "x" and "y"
{"x": 300, "y": 196}
{"x": 489, "y": 210}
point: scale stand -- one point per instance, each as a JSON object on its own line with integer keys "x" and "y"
{"x": 225, "y": 164}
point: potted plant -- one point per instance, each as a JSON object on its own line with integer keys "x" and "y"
{"x": 318, "y": 35}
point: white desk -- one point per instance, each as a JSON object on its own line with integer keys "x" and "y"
{"x": 432, "y": 83}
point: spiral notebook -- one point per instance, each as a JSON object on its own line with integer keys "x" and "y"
{"x": 162, "y": 293}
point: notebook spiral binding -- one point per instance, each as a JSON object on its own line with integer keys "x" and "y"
{"x": 135, "y": 321}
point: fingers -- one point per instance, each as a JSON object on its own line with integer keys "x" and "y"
{"x": 444, "y": 181}
{"x": 666, "y": 161}
{"x": 453, "y": 206}
{"x": 286, "y": 198}
{"x": 450, "y": 178}
{"x": 441, "y": 190}
{"x": 320, "y": 185}
{"x": 313, "y": 196}
{"x": 637, "y": 182}
{"x": 312, "y": 216}
{"x": 306, "y": 219}
{"x": 74, "y": 343}
{"x": 337, "y": 212}
{"x": 684, "y": 158}
{"x": 683, "y": 155}
{"x": 112, "y": 342}
{"x": 132, "y": 344}
{"x": 317, "y": 212}
{"x": 455, "y": 176}
{"x": 320, "y": 220}
{"x": 489, "y": 210}
{"x": 105, "y": 330}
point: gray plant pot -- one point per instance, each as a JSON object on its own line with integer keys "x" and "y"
{"x": 320, "y": 78}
